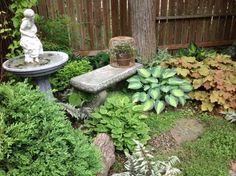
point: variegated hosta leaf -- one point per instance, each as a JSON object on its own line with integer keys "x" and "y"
{"x": 154, "y": 93}
{"x": 177, "y": 92}
{"x": 182, "y": 100}
{"x": 186, "y": 87}
{"x": 135, "y": 85}
{"x": 156, "y": 72}
{"x": 144, "y": 72}
{"x": 175, "y": 81}
{"x": 171, "y": 100}
{"x": 148, "y": 105}
{"x": 159, "y": 106}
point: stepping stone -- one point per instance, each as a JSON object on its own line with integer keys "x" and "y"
{"x": 186, "y": 130}
{"x": 102, "y": 78}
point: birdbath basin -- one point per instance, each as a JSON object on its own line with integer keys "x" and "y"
{"x": 49, "y": 62}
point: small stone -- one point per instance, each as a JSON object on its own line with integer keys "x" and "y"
{"x": 107, "y": 149}
{"x": 186, "y": 130}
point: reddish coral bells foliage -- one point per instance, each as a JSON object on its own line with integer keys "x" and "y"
{"x": 213, "y": 80}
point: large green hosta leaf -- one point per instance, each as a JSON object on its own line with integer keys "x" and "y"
{"x": 182, "y": 100}
{"x": 175, "y": 81}
{"x": 186, "y": 87}
{"x": 152, "y": 80}
{"x": 140, "y": 97}
{"x": 154, "y": 93}
{"x": 171, "y": 100}
{"x": 165, "y": 89}
{"x": 134, "y": 79}
{"x": 135, "y": 85}
{"x": 144, "y": 72}
{"x": 159, "y": 106}
{"x": 177, "y": 92}
{"x": 148, "y": 105}
{"x": 156, "y": 72}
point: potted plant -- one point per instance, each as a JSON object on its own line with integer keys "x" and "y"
{"x": 123, "y": 52}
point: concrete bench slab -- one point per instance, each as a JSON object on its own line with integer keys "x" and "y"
{"x": 102, "y": 78}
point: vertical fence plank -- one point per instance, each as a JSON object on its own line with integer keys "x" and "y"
{"x": 95, "y": 21}
{"x": 115, "y": 18}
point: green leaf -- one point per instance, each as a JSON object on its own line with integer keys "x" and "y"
{"x": 143, "y": 97}
{"x": 135, "y": 97}
{"x": 177, "y": 92}
{"x": 137, "y": 108}
{"x": 135, "y": 85}
{"x": 148, "y": 105}
{"x": 156, "y": 72}
{"x": 154, "y": 93}
{"x": 165, "y": 89}
{"x": 168, "y": 73}
{"x": 154, "y": 85}
{"x": 175, "y": 81}
{"x": 182, "y": 100}
{"x": 134, "y": 79}
{"x": 171, "y": 100}
{"x": 144, "y": 72}
{"x": 152, "y": 80}
{"x": 159, "y": 106}
{"x": 146, "y": 87}
{"x": 186, "y": 87}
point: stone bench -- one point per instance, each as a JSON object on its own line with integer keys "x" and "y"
{"x": 102, "y": 78}
{"x": 98, "y": 80}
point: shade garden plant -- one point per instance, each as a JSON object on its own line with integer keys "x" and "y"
{"x": 213, "y": 80}
{"x": 36, "y": 138}
{"x": 118, "y": 119}
{"x": 157, "y": 87}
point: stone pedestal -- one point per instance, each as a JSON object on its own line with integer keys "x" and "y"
{"x": 44, "y": 85}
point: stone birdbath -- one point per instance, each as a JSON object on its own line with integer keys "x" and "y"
{"x": 35, "y": 63}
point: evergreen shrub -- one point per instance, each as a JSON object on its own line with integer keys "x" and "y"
{"x": 37, "y": 140}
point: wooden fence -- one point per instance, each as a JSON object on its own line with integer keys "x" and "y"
{"x": 94, "y": 22}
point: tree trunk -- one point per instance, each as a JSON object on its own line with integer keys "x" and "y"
{"x": 143, "y": 24}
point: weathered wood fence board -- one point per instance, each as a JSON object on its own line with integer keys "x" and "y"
{"x": 178, "y": 22}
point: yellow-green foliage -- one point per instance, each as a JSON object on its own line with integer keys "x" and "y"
{"x": 213, "y": 80}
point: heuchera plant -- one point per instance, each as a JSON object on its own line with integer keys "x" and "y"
{"x": 213, "y": 80}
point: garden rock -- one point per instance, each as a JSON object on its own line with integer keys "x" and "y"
{"x": 107, "y": 149}
{"x": 102, "y": 78}
{"x": 186, "y": 130}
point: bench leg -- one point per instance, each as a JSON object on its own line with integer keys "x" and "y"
{"x": 98, "y": 99}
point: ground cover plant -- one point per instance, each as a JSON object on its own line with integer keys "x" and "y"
{"x": 213, "y": 80}
{"x": 157, "y": 87}
{"x": 117, "y": 118}
{"x": 37, "y": 140}
{"x": 209, "y": 155}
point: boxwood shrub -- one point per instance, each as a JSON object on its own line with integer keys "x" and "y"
{"x": 37, "y": 140}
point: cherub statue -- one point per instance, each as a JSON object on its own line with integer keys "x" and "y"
{"x": 30, "y": 43}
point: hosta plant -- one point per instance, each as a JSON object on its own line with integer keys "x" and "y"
{"x": 157, "y": 87}
{"x": 213, "y": 80}
{"x": 118, "y": 119}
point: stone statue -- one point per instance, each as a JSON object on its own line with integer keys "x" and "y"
{"x": 30, "y": 43}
